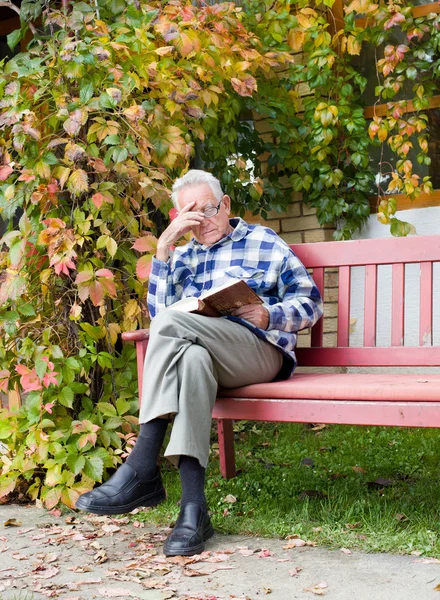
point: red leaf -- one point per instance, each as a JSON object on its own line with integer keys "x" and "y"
{"x": 96, "y": 292}
{"x": 104, "y": 273}
{"x": 145, "y": 244}
{"x": 5, "y": 171}
{"x": 143, "y": 267}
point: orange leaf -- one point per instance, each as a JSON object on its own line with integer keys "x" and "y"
{"x": 5, "y": 171}
{"x": 96, "y": 293}
{"x": 145, "y": 244}
{"x": 143, "y": 267}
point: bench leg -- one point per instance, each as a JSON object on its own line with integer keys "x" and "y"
{"x": 226, "y": 448}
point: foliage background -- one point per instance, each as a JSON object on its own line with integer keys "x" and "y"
{"x": 107, "y": 106}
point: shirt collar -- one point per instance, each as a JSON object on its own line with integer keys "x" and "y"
{"x": 238, "y": 233}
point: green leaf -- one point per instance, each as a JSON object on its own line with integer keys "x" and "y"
{"x": 5, "y": 430}
{"x": 94, "y": 468}
{"x": 86, "y": 92}
{"x": 26, "y": 310}
{"x": 76, "y": 463}
{"x": 14, "y": 37}
{"x": 40, "y": 367}
{"x": 107, "y": 409}
{"x": 65, "y": 397}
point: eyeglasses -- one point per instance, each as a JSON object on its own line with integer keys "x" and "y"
{"x": 212, "y": 211}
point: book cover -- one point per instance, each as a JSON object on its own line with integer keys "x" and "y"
{"x": 220, "y": 300}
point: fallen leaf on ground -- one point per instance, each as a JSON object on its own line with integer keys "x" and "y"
{"x": 297, "y": 543}
{"x": 12, "y": 523}
{"x": 111, "y": 529}
{"x": 267, "y": 590}
{"x": 428, "y": 561}
{"x": 80, "y": 569}
{"x": 295, "y": 572}
{"x": 319, "y": 589}
{"x": 230, "y": 498}
{"x": 246, "y": 552}
{"x": 100, "y": 557}
{"x": 47, "y": 573}
{"x": 18, "y": 556}
{"x": 318, "y": 427}
{"x": 437, "y": 588}
{"x": 345, "y": 550}
{"x": 357, "y": 469}
{"x": 265, "y": 553}
{"x": 402, "y": 518}
{"x": 353, "y": 525}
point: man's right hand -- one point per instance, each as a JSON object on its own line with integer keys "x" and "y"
{"x": 184, "y": 222}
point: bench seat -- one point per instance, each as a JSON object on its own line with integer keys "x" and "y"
{"x": 345, "y": 386}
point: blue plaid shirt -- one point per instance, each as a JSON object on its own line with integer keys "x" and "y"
{"x": 260, "y": 257}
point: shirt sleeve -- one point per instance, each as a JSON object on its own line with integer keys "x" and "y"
{"x": 300, "y": 303}
{"x": 161, "y": 288}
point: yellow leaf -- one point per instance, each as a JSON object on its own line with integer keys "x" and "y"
{"x": 295, "y": 39}
{"x": 131, "y": 309}
{"x": 353, "y": 46}
{"x": 78, "y": 182}
{"x": 10, "y": 192}
{"x": 112, "y": 246}
{"x": 114, "y": 329}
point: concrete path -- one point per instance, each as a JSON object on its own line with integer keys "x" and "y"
{"x": 83, "y": 557}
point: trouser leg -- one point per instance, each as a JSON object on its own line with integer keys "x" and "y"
{"x": 188, "y": 356}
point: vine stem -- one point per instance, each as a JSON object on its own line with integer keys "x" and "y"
{"x": 17, "y": 10}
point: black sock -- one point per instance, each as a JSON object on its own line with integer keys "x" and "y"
{"x": 143, "y": 457}
{"x": 192, "y": 478}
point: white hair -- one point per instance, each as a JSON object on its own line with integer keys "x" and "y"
{"x": 196, "y": 177}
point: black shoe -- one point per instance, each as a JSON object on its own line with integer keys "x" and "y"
{"x": 192, "y": 529}
{"x": 122, "y": 493}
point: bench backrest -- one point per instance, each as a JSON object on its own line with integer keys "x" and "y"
{"x": 398, "y": 252}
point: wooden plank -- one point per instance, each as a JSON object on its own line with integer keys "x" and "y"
{"x": 405, "y": 356}
{"x": 344, "y": 306}
{"x": 14, "y": 399}
{"x": 398, "y": 305}
{"x": 396, "y": 414}
{"x": 141, "y": 350}
{"x": 226, "y": 448}
{"x": 405, "y": 203}
{"x": 318, "y": 329}
{"x": 418, "y": 11}
{"x": 425, "y": 331}
{"x": 379, "y": 110}
{"x": 369, "y": 252}
{"x": 370, "y": 305}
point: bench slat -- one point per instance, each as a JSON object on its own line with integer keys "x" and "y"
{"x": 404, "y": 356}
{"x": 425, "y": 331}
{"x": 398, "y": 305}
{"x": 318, "y": 329}
{"x": 343, "y": 412}
{"x": 344, "y": 306}
{"x": 413, "y": 249}
{"x": 370, "y": 305}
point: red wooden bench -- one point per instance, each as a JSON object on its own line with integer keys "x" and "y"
{"x": 409, "y": 400}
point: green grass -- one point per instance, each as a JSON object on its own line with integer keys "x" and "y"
{"x": 272, "y": 480}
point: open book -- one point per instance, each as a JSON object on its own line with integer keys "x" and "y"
{"x": 220, "y": 300}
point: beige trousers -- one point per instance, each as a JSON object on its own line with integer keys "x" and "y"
{"x": 188, "y": 357}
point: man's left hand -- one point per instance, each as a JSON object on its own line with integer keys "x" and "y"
{"x": 254, "y": 313}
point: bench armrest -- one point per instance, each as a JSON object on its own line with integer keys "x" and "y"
{"x": 136, "y": 336}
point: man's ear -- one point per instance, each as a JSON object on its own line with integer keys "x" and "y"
{"x": 227, "y": 202}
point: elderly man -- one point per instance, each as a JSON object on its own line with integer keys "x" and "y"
{"x": 190, "y": 355}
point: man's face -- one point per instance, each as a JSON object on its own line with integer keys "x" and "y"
{"x": 212, "y": 229}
